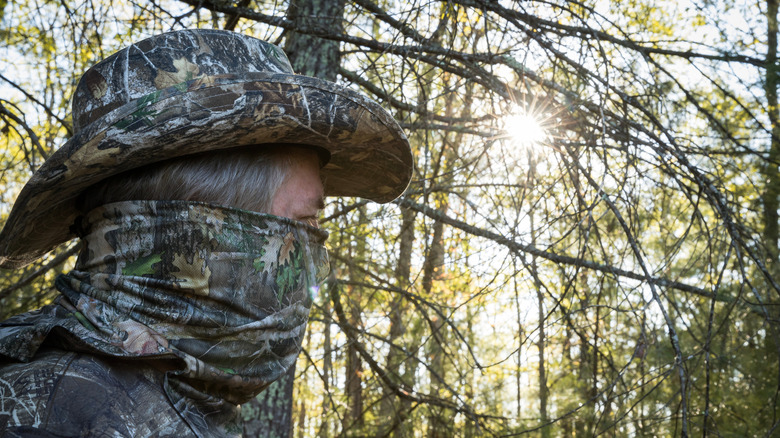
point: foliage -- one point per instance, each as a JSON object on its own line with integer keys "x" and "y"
{"x": 618, "y": 277}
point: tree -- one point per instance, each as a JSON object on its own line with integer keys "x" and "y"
{"x": 616, "y": 274}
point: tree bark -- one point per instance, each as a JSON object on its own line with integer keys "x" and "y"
{"x": 772, "y": 189}
{"x": 310, "y": 55}
{"x": 269, "y": 415}
{"x": 389, "y": 412}
{"x": 327, "y": 367}
{"x": 438, "y": 424}
{"x": 353, "y": 419}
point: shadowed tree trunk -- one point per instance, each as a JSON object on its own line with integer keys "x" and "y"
{"x": 390, "y": 414}
{"x": 354, "y": 420}
{"x": 772, "y": 189}
{"x": 327, "y": 367}
{"x": 311, "y": 55}
{"x": 438, "y": 425}
{"x": 270, "y": 413}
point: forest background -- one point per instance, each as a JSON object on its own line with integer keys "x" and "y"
{"x": 589, "y": 245}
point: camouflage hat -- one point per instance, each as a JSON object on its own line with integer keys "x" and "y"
{"x": 191, "y": 91}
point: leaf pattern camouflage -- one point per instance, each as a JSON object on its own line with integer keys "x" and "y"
{"x": 222, "y": 294}
{"x": 192, "y": 91}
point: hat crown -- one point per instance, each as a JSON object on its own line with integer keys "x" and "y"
{"x": 168, "y": 60}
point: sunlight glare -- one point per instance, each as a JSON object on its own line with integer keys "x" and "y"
{"x": 524, "y": 129}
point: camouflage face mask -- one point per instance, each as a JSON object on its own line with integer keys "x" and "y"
{"x": 226, "y": 290}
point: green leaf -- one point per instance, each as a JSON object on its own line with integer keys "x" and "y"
{"x": 142, "y": 266}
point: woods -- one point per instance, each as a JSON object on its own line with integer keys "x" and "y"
{"x": 612, "y": 270}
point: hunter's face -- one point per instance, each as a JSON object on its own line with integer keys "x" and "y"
{"x": 301, "y": 195}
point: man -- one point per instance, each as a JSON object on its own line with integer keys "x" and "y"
{"x": 194, "y": 179}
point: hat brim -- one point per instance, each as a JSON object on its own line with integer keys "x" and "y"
{"x": 370, "y": 156}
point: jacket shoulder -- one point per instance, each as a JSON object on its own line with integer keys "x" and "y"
{"x": 75, "y": 394}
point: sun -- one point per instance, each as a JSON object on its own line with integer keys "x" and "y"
{"x": 524, "y": 129}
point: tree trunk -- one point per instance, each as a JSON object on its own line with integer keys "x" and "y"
{"x": 269, "y": 415}
{"x": 771, "y": 195}
{"x": 520, "y": 340}
{"x": 353, "y": 420}
{"x": 540, "y": 345}
{"x": 310, "y": 55}
{"x": 439, "y": 424}
{"x": 541, "y": 341}
{"x": 772, "y": 189}
{"x": 327, "y": 366}
{"x": 392, "y": 415}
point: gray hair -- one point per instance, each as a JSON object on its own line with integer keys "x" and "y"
{"x": 243, "y": 178}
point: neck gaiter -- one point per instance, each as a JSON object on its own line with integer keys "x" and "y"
{"x": 227, "y": 291}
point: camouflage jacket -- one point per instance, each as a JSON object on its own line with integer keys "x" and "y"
{"x": 68, "y": 394}
{"x": 175, "y": 313}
